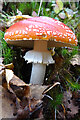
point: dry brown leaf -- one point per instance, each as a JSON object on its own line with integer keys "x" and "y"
{"x": 69, "y": 104}
{"x": 15, "y": 84}
{"x": 3, "y": 67}
{"x": 9, "y": 66}
{"x": 20, "y": 88}
{"x": 37, "y": 90}
{"x": 17, "y": 81}
{"x": 1, "y": 74}
{"x": 9, "y": 75}
{"x": 7, "y": 106}
{"x": 28, "y": 97}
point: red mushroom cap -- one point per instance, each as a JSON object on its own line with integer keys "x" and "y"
{"x": 23, "y": 33}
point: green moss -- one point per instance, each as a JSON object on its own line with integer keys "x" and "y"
{"x": 5, "y": 51}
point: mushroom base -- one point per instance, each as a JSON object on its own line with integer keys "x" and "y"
{"x": 38, "y": 73}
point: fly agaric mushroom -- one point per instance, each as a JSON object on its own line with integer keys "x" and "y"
{"x": 40, "y": 33}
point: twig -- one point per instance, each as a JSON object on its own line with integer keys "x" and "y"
{"x": 69, "y": 73}
{"x": 63, "y": 109}
{"x": 48, "y": 97}
{"x": 57, "y": 83}
{"x": 40, "y": 7}
{"x": 60, "y": 114}
{"x": 78, "y": 79}
{"x": 55, "y": 113}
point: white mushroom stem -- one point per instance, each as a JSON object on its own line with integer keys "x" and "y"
{"x": 40, "y": 57}
{"x": 38, "y": 69}
{"x": 38, "y": 73}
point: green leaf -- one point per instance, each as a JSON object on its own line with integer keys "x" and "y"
{"x": 56, "y": 9}
{"x": 1, "y": 34}
{"x": 74, "y": 85}
{"x": 60, "y": 4}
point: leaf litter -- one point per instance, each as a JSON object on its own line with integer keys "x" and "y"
{"x": 21, "y": 100}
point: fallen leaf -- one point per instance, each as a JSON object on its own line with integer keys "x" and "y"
{"x": 75, "y": 60}
{"x": 37, "y": 90}
{"x": 19, "y": 87}
{"x": 1, "y": 73}
{"x": 9, "y": 66}
{"x": 9, "y": 75}
{"x": 7, "y": 106}
{"x": 71, "y": 109}
{"x": 28, "y": 98}
{"x": 1, "y": 60}
{"x": 9, "y": 72}
{"x": 1, "y": 68}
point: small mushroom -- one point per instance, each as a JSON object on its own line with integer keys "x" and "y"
{"x": 40, "y": 33}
